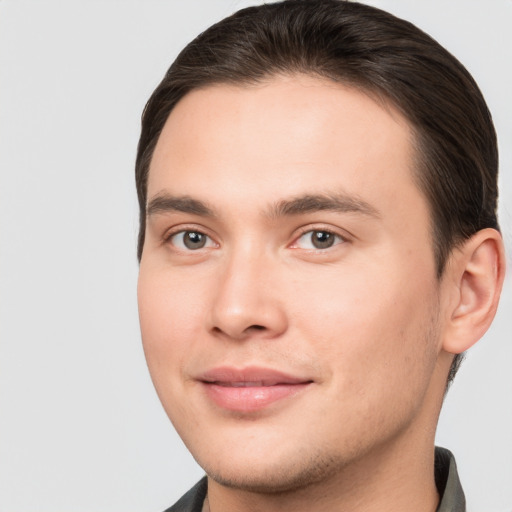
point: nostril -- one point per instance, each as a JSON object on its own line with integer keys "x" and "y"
{"x": 251, "y": 327}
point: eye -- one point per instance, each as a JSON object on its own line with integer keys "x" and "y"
{"x": 190, "y": 240}
{"x": 318, "y": 239}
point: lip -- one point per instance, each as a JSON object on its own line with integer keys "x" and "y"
{"x": 250, "y": 389}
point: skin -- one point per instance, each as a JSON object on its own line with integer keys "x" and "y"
{"x": 364, "y": 321}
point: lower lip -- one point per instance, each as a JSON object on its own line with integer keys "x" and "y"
{"x": 248, "y": 399}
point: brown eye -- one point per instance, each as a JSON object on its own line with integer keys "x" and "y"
{"x": 190, "y": 240}
{"x": 322, "y": 239}
{"x": 318, "y": 239}
{"x": 194, "y": 240}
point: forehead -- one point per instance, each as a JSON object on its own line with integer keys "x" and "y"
{"x": 288, "y": 135}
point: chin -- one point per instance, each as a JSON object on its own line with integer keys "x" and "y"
{"x": 276, "y": 477}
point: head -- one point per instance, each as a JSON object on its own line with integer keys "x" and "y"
{"x": 373, "y": 51}
{"x": 395, "y": 91}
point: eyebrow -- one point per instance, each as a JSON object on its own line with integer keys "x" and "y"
{"x": 323, "y": 202}
{"x": 163, "y": 203}
{"x": 309, "y": 203}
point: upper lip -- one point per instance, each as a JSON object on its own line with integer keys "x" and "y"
{"x": 249, "y": 376}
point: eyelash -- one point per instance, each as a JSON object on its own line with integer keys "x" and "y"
{"x": 338, "y": 238}
{"x": 311, "y": 230}
{"x": 168, "y": 238}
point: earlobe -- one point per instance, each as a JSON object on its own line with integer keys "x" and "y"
{"x": 478, "y": 268}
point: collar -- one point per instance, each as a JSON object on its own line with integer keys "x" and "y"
{"x": 448, "y": 483}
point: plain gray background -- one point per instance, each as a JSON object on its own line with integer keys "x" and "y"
{"x": 81, "y": 429}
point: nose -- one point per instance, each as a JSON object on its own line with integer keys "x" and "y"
{"x": 247, "y": 301}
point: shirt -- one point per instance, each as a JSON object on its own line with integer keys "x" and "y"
{"x": 445, "y": 472}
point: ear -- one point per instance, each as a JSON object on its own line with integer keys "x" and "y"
{"x": 476, "y": 272}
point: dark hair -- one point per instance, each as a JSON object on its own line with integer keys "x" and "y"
{"x": 367, "y": 48}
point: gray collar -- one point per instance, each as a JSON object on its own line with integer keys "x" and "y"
{"x": 448, "y": 483}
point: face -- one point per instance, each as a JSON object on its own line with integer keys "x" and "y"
{"x": 287, "y": 292}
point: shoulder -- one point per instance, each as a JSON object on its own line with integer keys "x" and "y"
{"x": 192, "y": 501}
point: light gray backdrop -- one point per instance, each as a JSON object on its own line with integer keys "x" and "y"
{"x": 81, "y": 429}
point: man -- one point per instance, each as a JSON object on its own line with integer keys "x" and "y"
{"x": 318, "y": 245}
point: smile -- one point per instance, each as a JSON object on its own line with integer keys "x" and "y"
{"x": 250, "y": 389}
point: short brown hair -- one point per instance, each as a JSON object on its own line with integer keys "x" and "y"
{"x": 367, "y": 48}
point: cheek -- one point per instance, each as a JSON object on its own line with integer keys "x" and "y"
{"x": 372, "y": 328}
{"x": 170, "y": 312}
{"x": 170, "y": 319}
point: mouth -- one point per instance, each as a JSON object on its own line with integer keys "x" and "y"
{"x": 250, "y": 389}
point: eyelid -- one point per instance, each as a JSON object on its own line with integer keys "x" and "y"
{"x": 173, "y": 231}
{"x": 342, "y": 234}
{"x": 182, "y": 228}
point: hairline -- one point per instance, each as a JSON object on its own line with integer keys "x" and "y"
{"x": 419, "y": 159}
